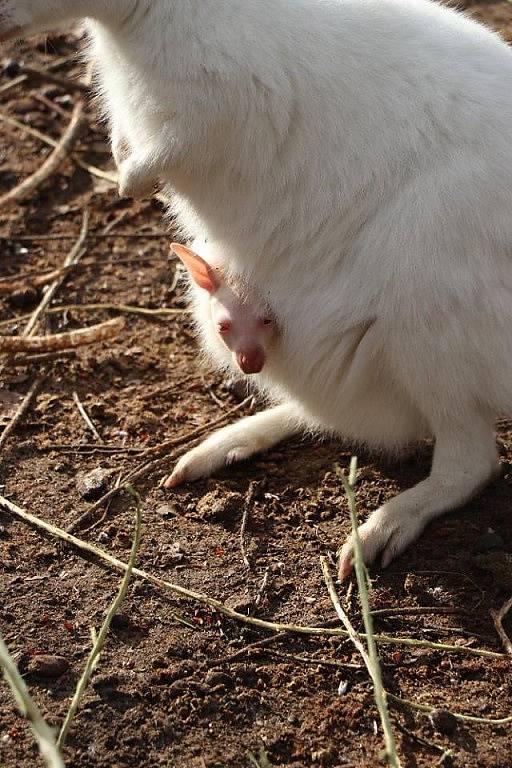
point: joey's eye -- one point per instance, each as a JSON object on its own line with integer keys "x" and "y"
{"x": 224, "y": 326}
{"x": 266, "y": 321}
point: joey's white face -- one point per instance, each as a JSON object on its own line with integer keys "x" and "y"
{"x": 245, "y": 329}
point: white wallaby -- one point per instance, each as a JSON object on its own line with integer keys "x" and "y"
{"x": 352, "y": 161}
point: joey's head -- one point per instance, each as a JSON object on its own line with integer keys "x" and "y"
{"x": 239, "y": 321}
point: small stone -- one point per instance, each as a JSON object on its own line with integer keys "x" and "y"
{"x": 238, "y": 388}
{"x": 47, "y": 665}
{"x": 322, "y": 756}
{"x": 92, "y": 485}
{"x": 24, "y": 297}
{"x": 167, "y": 510}
{"x": 443, "y": 721}
{"x": 11, "y": 67}
{"x": 124, "y": 540}
{"x": 120, "y": 621}
{"x": 217, "y": 507}
{"x": 215, "y": 677}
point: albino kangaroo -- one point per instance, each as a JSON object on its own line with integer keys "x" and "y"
{"x": 352, "y": 161}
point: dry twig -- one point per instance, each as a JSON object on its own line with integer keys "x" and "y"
{"x": 43, "y": 75}
{"x": 249, "y": 499}
{"x": 22, "y": 409}
{"x": 123, "y": 308}
{"x": 217, "y": 605}
{"x": 45, "y": 357}
{"x": 68, "y": 340}
{"x": 10, "y": 286}
{"x": 497, "y": 617}
{"x": 85, "y": 416}
{"x": 35, "y": 238}
{"x": 73, "y": 256}
{"x": 29, "y": 185}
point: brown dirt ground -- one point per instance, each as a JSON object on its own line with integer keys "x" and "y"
{"x": 166, "y": 694}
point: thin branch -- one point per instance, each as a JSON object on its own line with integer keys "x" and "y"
{"x": 23, "y": 78}
{"x": 42, "y": 731}
{"x": 245, "y": 519}
{"x": 123, "y": 308}
{"x": 22, "y": 410}
{"x": 29, "y": 185}
{"x": 7, "y": 287}
{"x": 43, "y": 75}
{"x": 102, "y": 635}
{"x": 429, "y": 710}
{"x": 35, "y": 238}
{"x": 497, "y": 617}
{"x": 68, "y": 340}
{"x": 25, "y": 279}
{"x": 45, "y": 357}
{"x": 85, "y": 416}
{"x": 88, "y": 448}
{"x": 351, "y": 632}
{"x": 73, "y": 256}
{"x": 217, "y": 605}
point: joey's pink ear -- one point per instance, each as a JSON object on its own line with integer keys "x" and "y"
{"x": 200, "y": 271}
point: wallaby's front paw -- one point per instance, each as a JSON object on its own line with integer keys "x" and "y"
{"x": 389, "y": 530}
{"x": 204, "y": 460}
{"x": 134, "y": 179}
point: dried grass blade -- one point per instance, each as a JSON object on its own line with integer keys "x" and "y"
{"x": 40, "y": 728}
{"x": 102, "y": 635}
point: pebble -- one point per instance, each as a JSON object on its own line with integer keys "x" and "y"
{"x": 167, "y": 510}
{"x": 120, "y": 621}
{"x": 238, "y": 388}
{"x": 11, "y": 67}
{"x": 224, "y": 508}
{"x": 47, "y": 665}
{"x": 92, "y": 485}
{"x": 25, "y": 297}
{"x": 443, "y": 721}
{"x": 215, "y": 677}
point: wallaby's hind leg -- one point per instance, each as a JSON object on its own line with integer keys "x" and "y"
{"x": 236, "y": 442}
{"x": 465, "y": 459}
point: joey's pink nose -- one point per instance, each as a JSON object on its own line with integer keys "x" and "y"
{"x": 251, "y": 360}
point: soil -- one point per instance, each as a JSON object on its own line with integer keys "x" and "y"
{"x": 167, "y": 693}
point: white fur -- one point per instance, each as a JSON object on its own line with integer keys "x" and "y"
{"x": 353, "y": 160}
